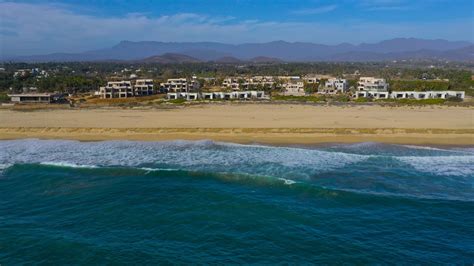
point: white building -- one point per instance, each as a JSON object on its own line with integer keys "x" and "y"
{"x": 234, "y": 83}
{"x": 248, "y": 83}
{"x": 315, "y": 78}
{"x": 416, "y": 95}
{"x": 21, "y": 73}
{"x": 372, "y": 84}
{"x": 144, "y": 87}
{"x": 335, "y": 85}
{"x": 294, "y": 88}
{"x": 37, "y": 98}
{"x": 179, "y": 85}
{"x": 288, "y": 78}
{"x": 420, "y": 95}
{"x": 117, "y": 89}
{"x": 264, "y": 81}
{"x": 183, "y": 95}
{"x": 237, "y": 95}
{"x": 373, "y": 94}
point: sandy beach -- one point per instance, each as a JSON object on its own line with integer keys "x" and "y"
{"x": 249, "y": 123}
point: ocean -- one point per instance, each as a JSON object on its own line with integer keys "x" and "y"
{"x": 182, "y": 202}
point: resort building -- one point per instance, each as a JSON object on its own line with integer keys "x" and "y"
{"x": 234, "y": 83}
{"x": 179, "y": 85}
{"x": 144, "y": 87}
{"x": 315, "y": 79}
{"x": 248, "y": 83}
{"x": 237, "y": 95}
{"x": 420, "y": 95}
{"x": 21, "y": 73}
{"x": 288, "y": 78}
{"x": 294, "y": 88}
{"x": 373, "y": 94}
{"x": 183, "y": 95}
{"x": 372, "y": 84}
{"x": 264, "y": 81}
{"x": 117, "y": 89}
{"x": 334, "y": 85}
{"x": 416, "y": 95}
{"x": 37, "y": 98}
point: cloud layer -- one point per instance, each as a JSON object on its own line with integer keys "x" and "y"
{"x": 43, "y": 28}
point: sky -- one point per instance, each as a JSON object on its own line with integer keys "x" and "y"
{"x": 39, "y": 26}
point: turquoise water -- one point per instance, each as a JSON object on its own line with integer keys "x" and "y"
{"x": 122, "y": 202}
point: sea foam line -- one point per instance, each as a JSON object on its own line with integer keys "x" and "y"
{"x": 441, "y": 165}
{"x": 69, "y": 165}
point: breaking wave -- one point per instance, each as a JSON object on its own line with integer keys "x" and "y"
{"x": 416, "y": 171}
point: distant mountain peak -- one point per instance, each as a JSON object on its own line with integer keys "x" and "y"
{"x": 287, "y": 51}
{"x": 170, "y": 58}
{"x": 265, "y": 59}
{"x": 227, "y": 59}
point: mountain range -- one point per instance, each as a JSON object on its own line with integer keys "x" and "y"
{"x": 184, "y": 52}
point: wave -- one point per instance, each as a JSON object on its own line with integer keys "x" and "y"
{"x": 148, "y": 169}
{"x": 305, "y": 187}
{"x": 187, "y": 155}
{"x": 442, "y": 165}
{"x": 287, "y": 181}
{"x": 434, "y": 148}
{"x": 69, "y": 165}
{"x": 363, "y": 167}
{"x": 4, "y": 166}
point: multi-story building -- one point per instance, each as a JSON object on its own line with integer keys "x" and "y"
{"x": 315, "y": 78}
{"x": 334, "y": 85}
{"x": 372, "y": 84}
{"x": 179, "y": 85}
{"x": 295, "y": 88}
{"x": 234, "y": 83}
{"x": 246, "y": 83}
{"x": 144, "y": 87}
{"x": 117, "y": 89}
{"x": 264, "y": 81}
{"x": 288, "y": 78}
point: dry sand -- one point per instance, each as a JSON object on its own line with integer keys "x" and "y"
{"x": 247, "y": 123}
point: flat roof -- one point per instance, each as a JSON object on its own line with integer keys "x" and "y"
{"x": 33, "y": 95}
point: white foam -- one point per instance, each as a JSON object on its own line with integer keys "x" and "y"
{"x": 66, "y": 164}
{"x": 442, "y": 165}
{"x": 287, "y": 181}
{"x": 209, "y": 156}
{"x": 4, "y": 166}
{"x": 178, "y": 155}
{"x": 433, "y": 149}
{"x": 148, "y": 169}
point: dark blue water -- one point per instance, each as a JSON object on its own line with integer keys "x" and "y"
{"x": 121, "y": 202}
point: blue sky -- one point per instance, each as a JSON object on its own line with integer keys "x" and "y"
{"x": 38, "y": 26}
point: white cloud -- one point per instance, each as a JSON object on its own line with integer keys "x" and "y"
{"x": 314, "y": 11}
{"x": 385, "y": 5}
{"x": 35, "y": 29}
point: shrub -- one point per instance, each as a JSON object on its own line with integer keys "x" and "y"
{"x": 299, "y": 98}
{"x": 363, "y": 100}
{"x": 177, "y": 101}
{"x": 415, "y": 102}
{"x": 454, "y": 99}
{"x": 341, "y": 98}
{"x": 4, "y": 98}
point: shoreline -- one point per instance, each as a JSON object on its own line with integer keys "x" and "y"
{"x": 255, "y": 123}
{"x": 271, "y": 136}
